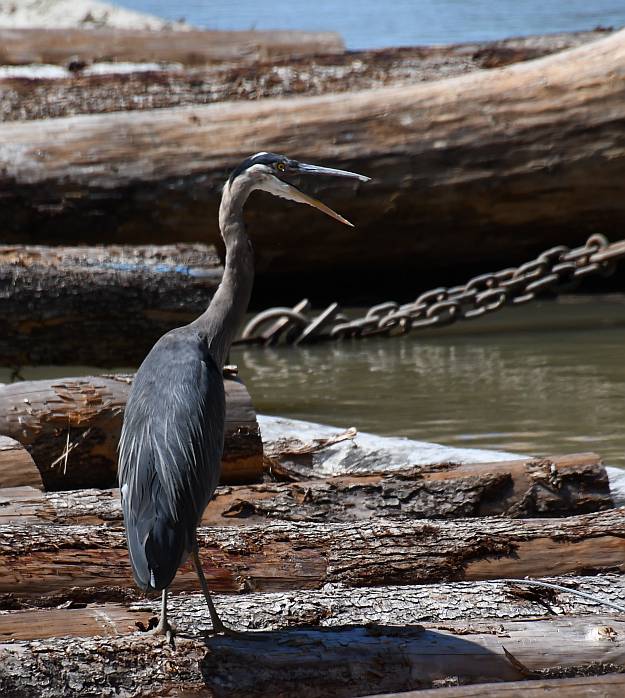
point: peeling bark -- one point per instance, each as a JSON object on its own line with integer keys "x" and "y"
{"x": 71, "y": 429}
{"x": 484, "y": 188}
{"x": 558, "y": 486}
{"x": 332, "y": 606}
{"x": 51, "y": 559}
{"x": 98, "y": 306}
{"x": 311, "y": 663}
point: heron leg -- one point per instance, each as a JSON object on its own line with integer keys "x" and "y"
{"x": 163, "y": 627}
{"x": 218, "y": 625}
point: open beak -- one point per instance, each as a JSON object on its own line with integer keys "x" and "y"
{"x": 288, "y": 191}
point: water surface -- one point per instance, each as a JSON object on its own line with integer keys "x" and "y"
{"x": 374, "y": 24}
{"x": 547, "y": 378}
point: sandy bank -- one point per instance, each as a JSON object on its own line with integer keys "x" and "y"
{"x": 58, "y": 14}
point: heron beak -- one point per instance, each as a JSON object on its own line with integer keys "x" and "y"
{"x": 279, "y": 187}
{"x": 303, "y": 168}
{"x": 288, "y": 191}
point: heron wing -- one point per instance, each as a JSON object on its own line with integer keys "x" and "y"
{"x": 170, "y": 454}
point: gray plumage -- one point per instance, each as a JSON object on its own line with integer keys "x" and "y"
{"x": 170, "y": 450}
{"x": 172, "y": 436}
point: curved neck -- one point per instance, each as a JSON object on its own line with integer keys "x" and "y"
{"x": 221, "y": 321}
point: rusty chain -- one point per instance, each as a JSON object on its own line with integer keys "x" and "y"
{"x": 556, "y": 269}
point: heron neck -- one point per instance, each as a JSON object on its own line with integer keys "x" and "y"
{"x": 222, "y": 319}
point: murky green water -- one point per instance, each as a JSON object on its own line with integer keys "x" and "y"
{"x": 544, "y": 378}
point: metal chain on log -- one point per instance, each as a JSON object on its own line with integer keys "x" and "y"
{"x": 557, "y": 269}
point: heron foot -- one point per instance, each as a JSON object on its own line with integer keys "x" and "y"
{"x": 221, "y": 629}
{"x": 165, "y": 629}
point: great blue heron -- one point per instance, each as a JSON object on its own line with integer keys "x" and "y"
{"x": 172, "y": 438}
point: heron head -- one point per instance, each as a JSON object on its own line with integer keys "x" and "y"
{"x": 269, "y": 172}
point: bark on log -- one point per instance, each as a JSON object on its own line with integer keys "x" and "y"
{"x": 333, "y": 606}
{"x": 522, "y": 127}
{"x": 314, "y": 663}
{"x": 30, "y": 96}
{"x": 558, "y": 486}
{"x": 38, "y": 559}
{"x": 609, "y": 686}
{"x": 17, "y": 468}
{"x": 74, "y": 45}
{"x": 58, "y": 304}
{"x": 71, "y": 429}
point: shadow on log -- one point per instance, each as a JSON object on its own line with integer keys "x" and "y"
{"x": 71, "y": 429}
{"x": 51, "y": 559}
{"x": 100, "y": 306}
{"x": 310, "y": 663}
{"x": 526, "y": 488}
{"x": 483, "y": 149}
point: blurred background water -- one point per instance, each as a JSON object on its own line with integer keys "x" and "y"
{"x": 374, "y": 24}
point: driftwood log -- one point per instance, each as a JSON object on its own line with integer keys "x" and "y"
{"x": 80, "y": 46}
{"x": 71, "y": 429}
{"x": 526, "y": 488}
{"x": 40, "y": 559}
{"x": 608, "y": 686}
{"x": 311, "y": 663}
{"x": 485, "y": 189}
{"x": 31, "y": 96}
{"x": 17, "y": 468}
{"x": 98, "y": 306}
{"x": 333, "y": 606}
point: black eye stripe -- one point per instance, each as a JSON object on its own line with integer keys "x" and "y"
{"x": 270, "y": 159}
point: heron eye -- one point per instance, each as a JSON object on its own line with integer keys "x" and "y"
{"x": 281, "y": 167}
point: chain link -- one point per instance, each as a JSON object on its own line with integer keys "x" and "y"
{"x": 557, "y": 269}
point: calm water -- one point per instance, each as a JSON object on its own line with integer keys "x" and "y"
{"x": 546, "y": 378}
{"x": 371, "y": 23}
{"x": 526, "y": 381}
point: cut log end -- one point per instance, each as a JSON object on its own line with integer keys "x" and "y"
{"x": 17, "y": 468}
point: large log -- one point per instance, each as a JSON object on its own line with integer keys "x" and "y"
{"x": 31, "y": 95}
{"x": 41, "y": 559}
{"x": 17, "y": 468}
{"x": 193, "y": 47}
{"x": 71, "y": 429}
{"x": 312, "y": 663}
{"x": 470, "y": 160}
{"x": 332, "y": 606}
{"x": 98, "y": 306}
{"x": 608, "y": 686}
{"x": 526, "y": 488}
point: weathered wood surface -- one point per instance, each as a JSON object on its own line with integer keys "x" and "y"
{"x": 523, "y": 126}
{"x": 194, "y": 47}
{"x": 313, "y": 663}
{"x": 30, "y": 96}
{"x": 608, "y": 686}
{"x": 17, "y": 467}
{"x": 39, "y": 559}
{"x": 71, "y": 429}
{"x": 332, "y": 606}
{"x": 58, "y": 305}
{"x": 559, "y": 486}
